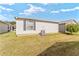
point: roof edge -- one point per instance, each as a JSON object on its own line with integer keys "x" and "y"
{"x": 19, "y": 18}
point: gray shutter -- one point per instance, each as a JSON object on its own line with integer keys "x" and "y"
{"x": 34, "y": 25}
{"x": 24, "y": 25}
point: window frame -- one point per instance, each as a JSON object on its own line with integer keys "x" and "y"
{"x": 28, "y": 24}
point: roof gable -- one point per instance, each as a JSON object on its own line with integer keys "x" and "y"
{"x": 69, "y": 21}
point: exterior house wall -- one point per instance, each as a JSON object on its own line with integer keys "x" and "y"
{"x": 62, "y": 28}
{"x": 20, "y": 28}
{"x": 48, "y": 27}
{"x": 3, "y": 28}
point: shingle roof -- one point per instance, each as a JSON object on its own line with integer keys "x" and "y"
{"x": 1, "y": 22}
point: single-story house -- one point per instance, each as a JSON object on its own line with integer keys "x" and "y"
{"x": 4, "y": 27}
{"x": 34, "y": 26}
{"x": 63, "y": 24}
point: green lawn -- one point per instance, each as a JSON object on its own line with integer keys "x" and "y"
{"x": 33, "y": 45}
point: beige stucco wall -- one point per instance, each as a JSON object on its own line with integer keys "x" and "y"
{"x": 48, "y": 27}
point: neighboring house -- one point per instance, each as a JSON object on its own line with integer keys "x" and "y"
{"x": 12, "y": 27}
{"x": 4, "y": 27}
{"x": 63, "y": 24}
{"x": 33, "y": 26}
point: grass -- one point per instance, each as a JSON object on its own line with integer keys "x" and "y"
{"x": 11, "y": 45}
{"x": 74, "y": 33}
{"x": 62, "y": 49}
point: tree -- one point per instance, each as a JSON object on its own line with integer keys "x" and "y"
{"x": 13, "y": 22}
{"x": 72, "y": 28}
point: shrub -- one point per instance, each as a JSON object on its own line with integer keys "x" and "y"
{"x": 72, "y": 28}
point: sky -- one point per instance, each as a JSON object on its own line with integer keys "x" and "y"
{"x": 40, "y": 11}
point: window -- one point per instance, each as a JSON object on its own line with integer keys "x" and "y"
{"x": 29, "y": 25}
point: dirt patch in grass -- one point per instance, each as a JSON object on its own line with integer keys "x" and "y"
{"x": 62, "y": 49}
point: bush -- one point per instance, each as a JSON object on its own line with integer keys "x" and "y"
{"x": 72, "y": 28}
